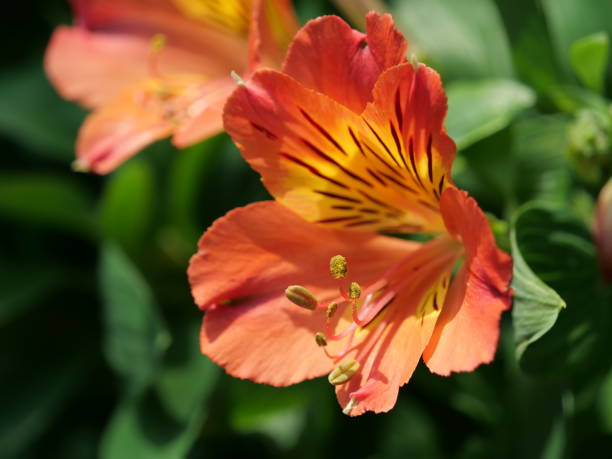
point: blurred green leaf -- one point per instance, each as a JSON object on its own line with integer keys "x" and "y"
{"x": 477, "y": 109}
{"x": 459, "y": 38}
{"x": 46, "y": 200}
{"x": 536, "y": 305}
{"x": 32, "y": 113}
{"x": 539, "y": 148}
{"x": 279, "y": 413}
{"x": 556, "y": 245}
{"x": 604, "y": 403}
{"x": 409, "y": 432}
{"x": 127, "y": 206}
{"x": 589, "y": 57}
{"x": 135, "y": 336}
{"x": 571, "y": 20}
{"x": 164, "y": 423}
{"x": 190, "y": 169}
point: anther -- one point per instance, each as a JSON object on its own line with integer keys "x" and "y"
{"x": 158, "y": 42}
{"x": 343, "y": 372}
{"x": 338, "y": 266}
{"x": 237, "y": 78}
{"x": 331, "y": 309}
{"x": 79, "y": 166}
{"x": 320, "y": 339}
{"x": 354, "y": 291}
{"x": 300, "y": 296}
{"x": 349, "y": 406}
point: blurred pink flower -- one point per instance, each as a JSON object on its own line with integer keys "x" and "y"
{"x": 602, "y": 230}
{"x": 155, "y": 68}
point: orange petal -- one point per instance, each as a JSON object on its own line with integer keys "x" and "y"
{"x": 404, "y": 329}
{"x": 147, "y": 112}
{"x": 244, "y": 263}
{"x": 602, "y": 230}
{"x": 334, "y": 167}
{"x": 331, "y": 58}
{"x": 205, "y": 115}
{"x": 273, "y": 25}
{"x": 110, "y": 50}
{"x": 467, "y": 331}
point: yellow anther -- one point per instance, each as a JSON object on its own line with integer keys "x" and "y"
{"x": 338, "y": 266}
{"x": 301, "y": 296}
{"x": 349, "y": 406}
{"x": 158, "y": 42}
{"x": 343, "y": 372}
{"x": 331, "y": 309}
{"x": 321, "y": 339}
{"x": 354, "y": 291}
{"x": 79, "y": 166}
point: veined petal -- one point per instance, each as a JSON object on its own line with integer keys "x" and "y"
{"x": 142, "y": 114}
{"x": 398, "y": 335}
{"x": 205, "y": 115}
{"x": 329, "y": 164}
{"x": 467, "y": 331}
{"x": 244, "y": 263}
{"x": 333, "y": 59}
{"x": 92, "y": 68}
{"x": 110, "y": 49}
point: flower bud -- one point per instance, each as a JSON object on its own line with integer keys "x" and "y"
{"x": 602, "y": 230}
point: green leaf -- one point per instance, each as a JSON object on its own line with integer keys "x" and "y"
{"x": 460, "y": 39}
{"x": 279, "y": 413}
{"x": 32, "y": 113}
{"x": 589, "y": 57}
{"x": 164, "y": 422}
{"x": 135, "y": 337}
{"x": 478, "y": 109}
{"x": 47, "y": 201}
{"x": 572, "y": 20}
{"x": 127, "y": 206}
{"x": 556, "y": 245}
{"x": 536, "y": 305}
{"x": 539, "y": 148}
{"x": 190, "y": 169}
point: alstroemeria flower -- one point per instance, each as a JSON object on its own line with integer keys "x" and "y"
{"x": 602, "y": 230}
{"x": 155, "y": 68}
{"x": 349, "y": 139}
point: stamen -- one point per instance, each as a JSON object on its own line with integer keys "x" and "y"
{"x": 349, "y": 406}
{"x": 320, "y": 339}
{"x": 354, "y": 291}
{"x": 338, "y": 266}
{"x": 331, "y": 309}
{"x": 343, "y": 372}
{"x": 158, "y": 43}
{"x": 414, "y": 61}
{"x": 300, "y": 296}
{"x": 237, "y": 78}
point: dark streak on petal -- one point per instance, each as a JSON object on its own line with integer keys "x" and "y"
{"x": 313, "y": 170}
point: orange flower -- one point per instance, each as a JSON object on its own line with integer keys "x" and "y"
{"x": 155, "y": 68}
{"x": 349, "y": 139}
{"x": 602, "y": 230}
